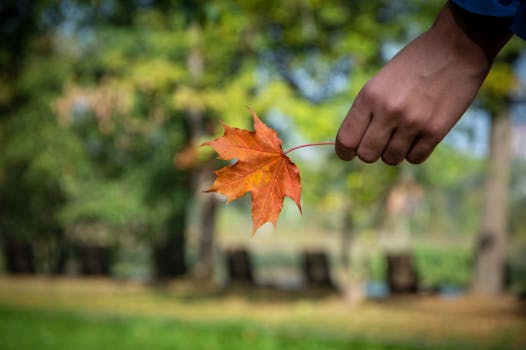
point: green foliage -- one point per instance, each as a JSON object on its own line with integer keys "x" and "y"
{"x": 377, "y": 268}
{"x": 38, "y": 164}
{"x": 443, "y": 266}
{"x": 436, "y": 265}
{"x": 500, "y": 84}
{"x": 451, "y": 204}
{"x": 88, "y": 133}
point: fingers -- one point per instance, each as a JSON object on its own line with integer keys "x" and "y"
{"x": 387, "y": 129}
{"x": 374, "y": 141}
{"x": 423, "y": 147}
{"x": 371, "y": 133}
{"x": 352, "y": 129}
{"x": 399, "y": 146}
{"x": 393, "y": 137}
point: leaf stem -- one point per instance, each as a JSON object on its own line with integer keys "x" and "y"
{"x": 309, "y": 145}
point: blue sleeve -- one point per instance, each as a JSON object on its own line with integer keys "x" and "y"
{"x": 514, "y": 9}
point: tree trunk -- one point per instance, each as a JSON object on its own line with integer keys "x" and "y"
{"x": 205, "y": 253}
{"x": 169, "y": 254}
{"x": 347, "y": 238}
{"x": 206, "y": 203}
{"x": 490, "y": 250}
{"x": 19, "y": 258}
{"x": 94, "y": 260}
{"x": 59, "y": 267}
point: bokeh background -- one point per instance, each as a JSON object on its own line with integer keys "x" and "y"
{"x": 108, "y": 241}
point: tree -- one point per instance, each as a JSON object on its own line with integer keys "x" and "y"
{"x": 490, "y": 250}
{"x": 491, "y": 246}
{"x": 33, "y": 180}
{"x": 130, "y": 131}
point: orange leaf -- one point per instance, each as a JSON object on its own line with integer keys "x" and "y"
{"x": 261, "y": 169}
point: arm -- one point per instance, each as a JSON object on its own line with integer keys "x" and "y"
{"x": 417, "y": 97}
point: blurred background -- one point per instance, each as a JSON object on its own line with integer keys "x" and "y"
{"x": 107, "y": 239}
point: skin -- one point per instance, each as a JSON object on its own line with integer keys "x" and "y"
{"x": 410, "y": 105}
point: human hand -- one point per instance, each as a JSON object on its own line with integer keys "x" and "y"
{"x": 416, "y": 98}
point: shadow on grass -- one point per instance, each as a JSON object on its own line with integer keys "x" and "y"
{"x": 192, "y": 291}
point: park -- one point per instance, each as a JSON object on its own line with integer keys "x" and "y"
{"x": 144, "y": 206}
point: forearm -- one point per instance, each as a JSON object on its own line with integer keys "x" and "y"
{"x": 477, "y": 37}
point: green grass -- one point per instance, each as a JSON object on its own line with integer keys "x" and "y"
{"x": 69, "y": 313}
{"x": 30, "y": 329}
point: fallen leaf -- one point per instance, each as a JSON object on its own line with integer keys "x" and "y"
{"x": 262, "y": 168}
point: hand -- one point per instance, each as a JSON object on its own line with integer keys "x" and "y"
{"x": 416, "y": 98}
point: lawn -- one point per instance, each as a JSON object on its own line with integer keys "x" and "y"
{"x": 40, "y": 313}
{"x": 30, "y": 329}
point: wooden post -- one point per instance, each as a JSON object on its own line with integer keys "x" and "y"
{"x": 401, "y": 275}
{"x": 19, "y": 257}
{"x": 316, "y": 271}
{"x": 94, "y": 260}
{"x": 239, "y": 265}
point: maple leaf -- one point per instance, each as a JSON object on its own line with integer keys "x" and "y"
{"x": 262, "y": 168}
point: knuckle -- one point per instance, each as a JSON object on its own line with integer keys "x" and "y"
{"x": 413, "y": 123}
{"x": 369, "y": 93}
{"x": 394, "y": 108}
{"x": 417, "y": 158}
{"x": 344, "y": 143}
{"x": 433, "y": 133}
{"x": 392, "y": 159}
{"x": 367, "y": 156}
{"x": 420, "y": 153}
